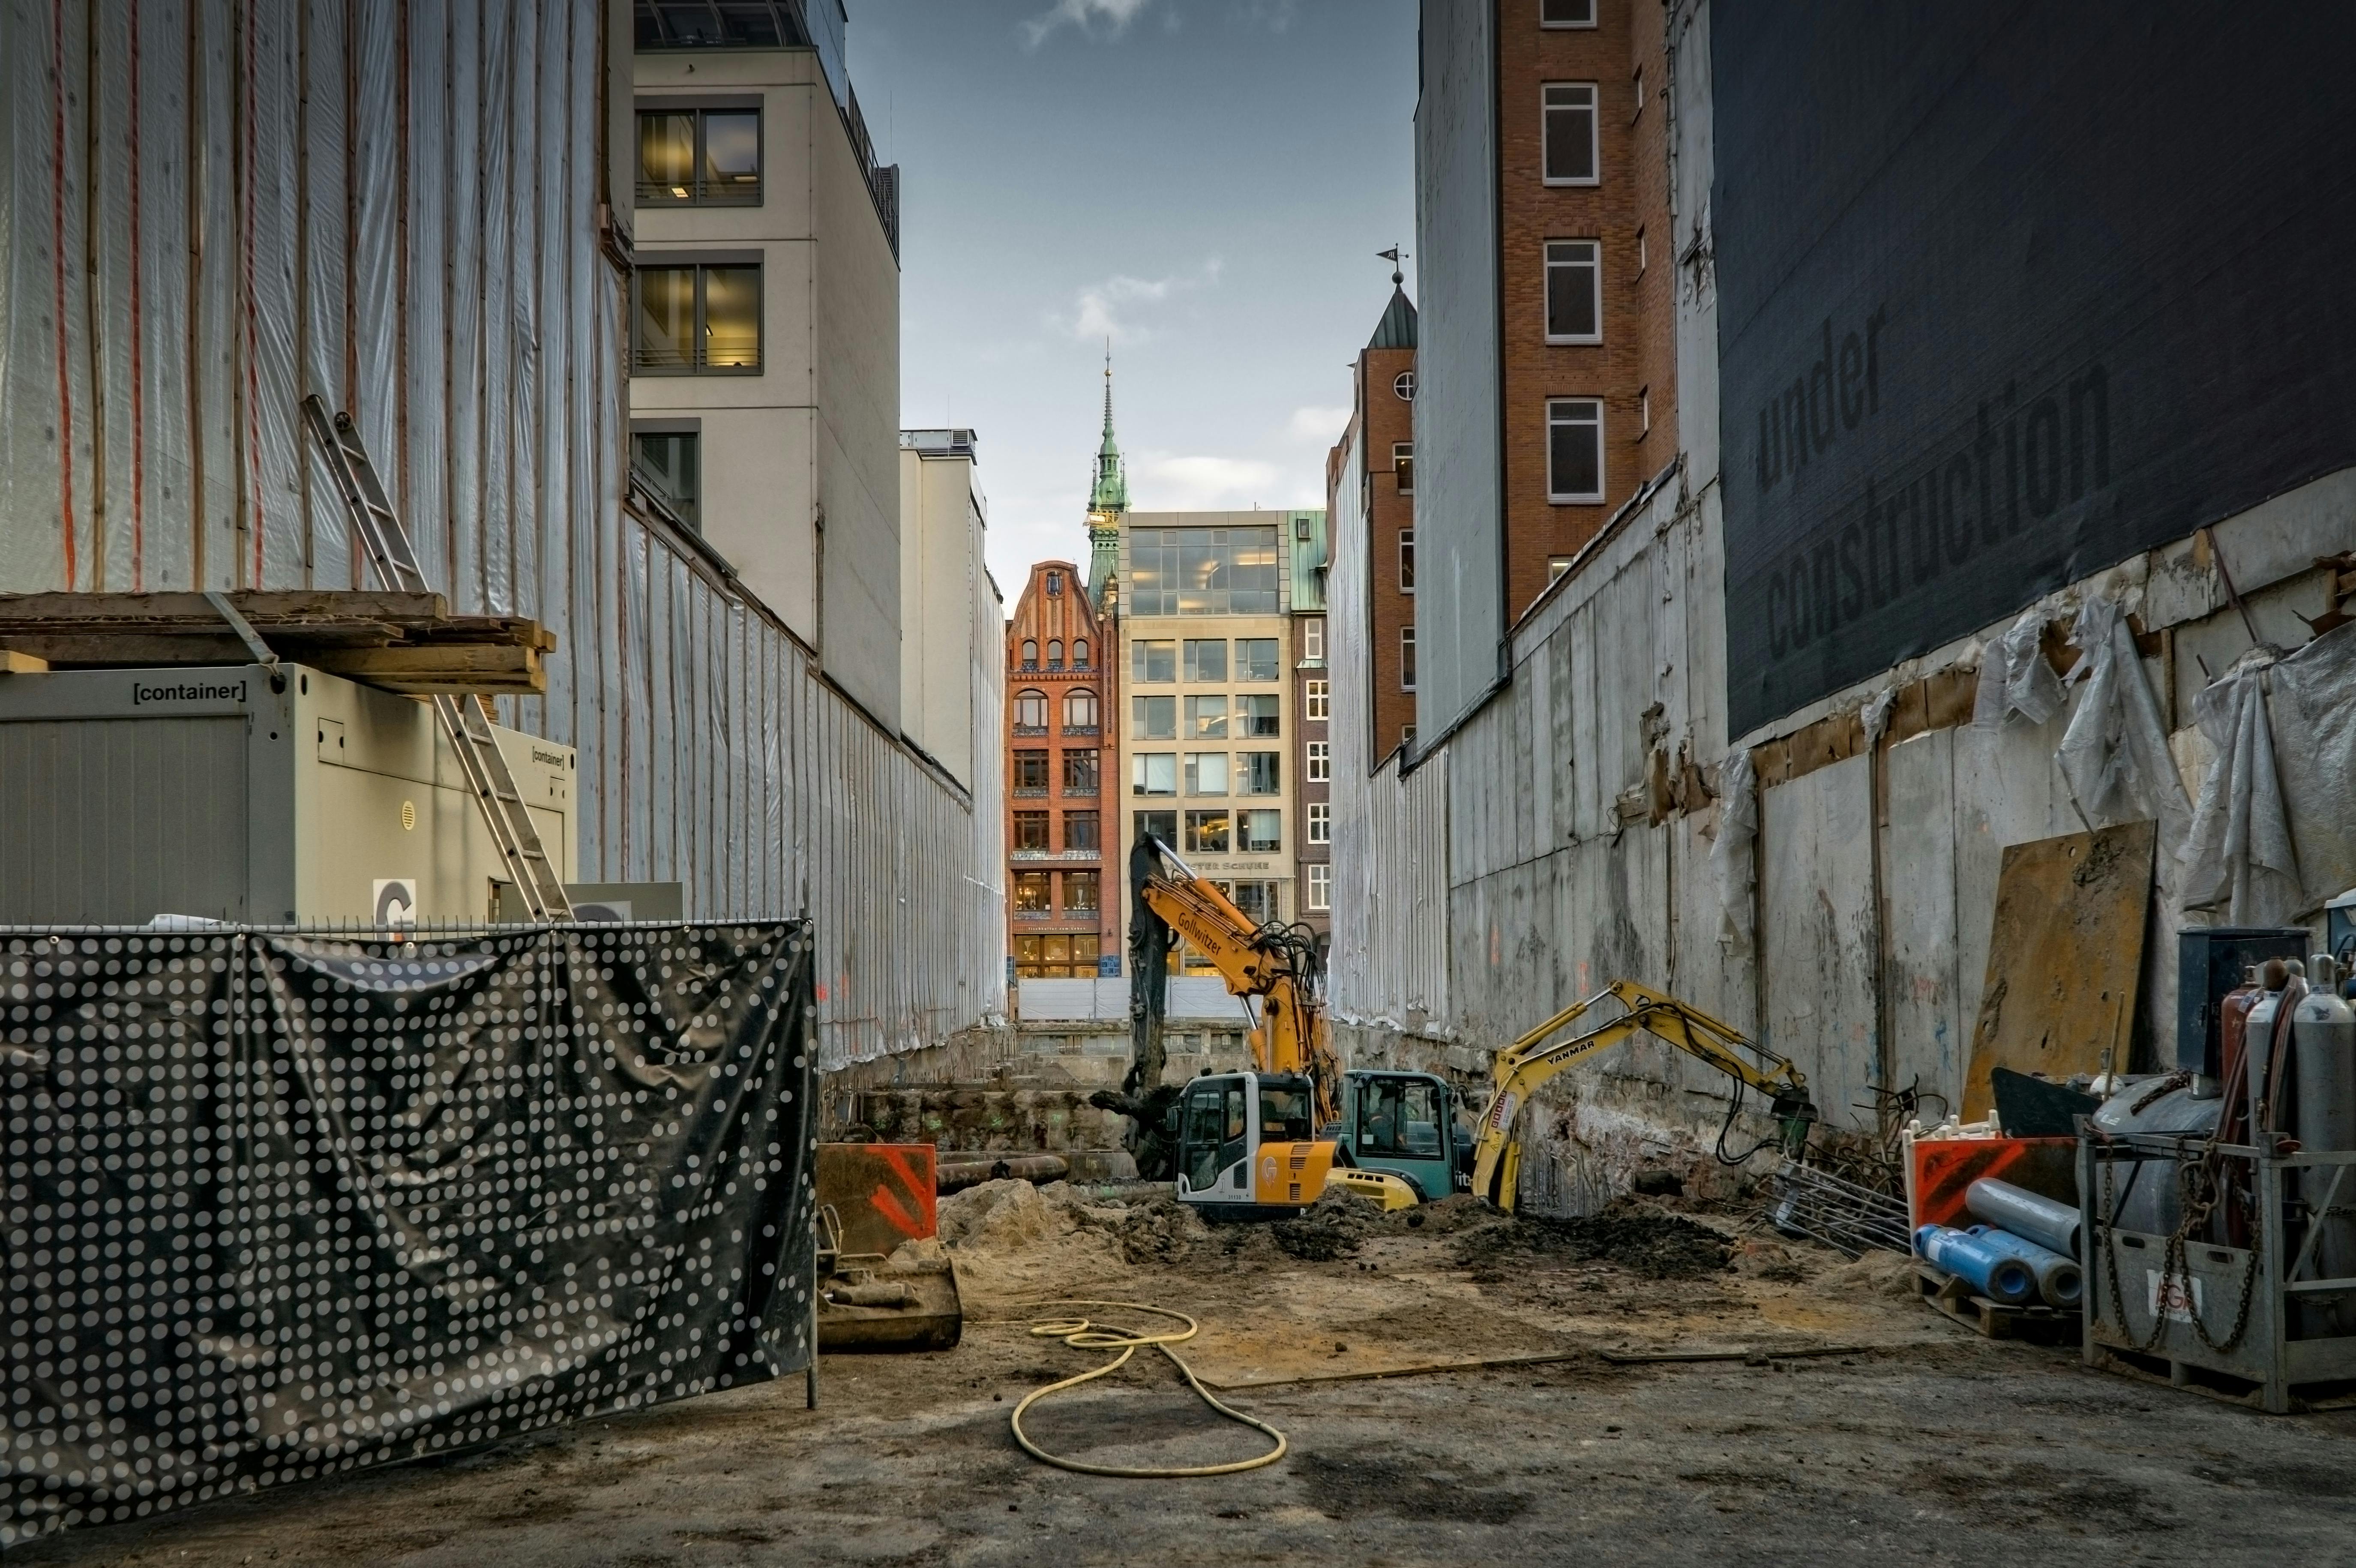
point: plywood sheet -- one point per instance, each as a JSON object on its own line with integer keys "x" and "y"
{"x": 2065, "y": 955}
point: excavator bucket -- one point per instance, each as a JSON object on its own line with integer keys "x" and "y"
{"x": 884, "y": 1282}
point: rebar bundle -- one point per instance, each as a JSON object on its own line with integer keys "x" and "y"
{"x": 1836, "y": 1211}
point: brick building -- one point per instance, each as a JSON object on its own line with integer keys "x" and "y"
{"x": 1061, "y": 914}
{"x": 1375, "y": 458}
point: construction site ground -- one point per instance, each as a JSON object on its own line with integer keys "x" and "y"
{"x": 1915, "y": 1440}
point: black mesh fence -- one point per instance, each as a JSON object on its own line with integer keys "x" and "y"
{"x": 283, "y": 1203}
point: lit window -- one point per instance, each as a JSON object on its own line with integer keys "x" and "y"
{"x": 1153, "y": 718}
{"x": 1321, "y": 821}
{"x": 1208, "y": 832}
{"x": 1262, "y": 773}
{"x": 1569, "y": 111}
{"x": 1403, "y": 466}
{"x": 1316, "y": 699}
{"x": 1154, "y": 773}
{"x": 1321, "y": 883}
{"x": 1255, "y": 716}
{"x": 1403, "y": 386}
{"x": 1557, "y": 565}
{"x": 1206, "y": 717}
{"x": 1257, "y": 659}
{"x": 1031, "y": 711}
{"x": 1080, "y": 892}
{"x": 1206, "y": 773}
{"x": 1574, "y": 291}
{"x": 1406, "y": 560}
{"x": 1080, "y": 710}
{"x": 1260, "y": 832}
{"x": 1313, "y": 639}
{"x": 698, "y": 320}
{"x": 1202, "y": 571}
{"x": 1206, "y": 659}
{"x": 1152, "y": 662}
{"x": 1407, "y": 659}
{"x": 1320, "y": 762}
{"x": 700, "y": 158}
{"x": 1034, "y": 892}
{"x": 1574, "y": 450}
{"x": 1566, "y": 13}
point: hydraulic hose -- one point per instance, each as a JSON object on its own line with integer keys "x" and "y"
{"x": 1082, "y": 1334}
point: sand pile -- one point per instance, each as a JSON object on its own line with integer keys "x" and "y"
{"x": 1010, "y": 1238}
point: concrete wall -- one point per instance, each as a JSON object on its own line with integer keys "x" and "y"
{"x": 942, "y": 580}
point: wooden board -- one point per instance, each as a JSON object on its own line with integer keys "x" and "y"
{"x": 402, "y": 642}
{"x": 1943, "y": 1292}
{"x": 2064, "y": 958}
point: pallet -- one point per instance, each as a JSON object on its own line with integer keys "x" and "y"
{"x": 2036, "y": 1324}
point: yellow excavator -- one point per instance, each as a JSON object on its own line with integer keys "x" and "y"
{"x": 1537, "y": 1056}
{"x": 1267, "y": 1142}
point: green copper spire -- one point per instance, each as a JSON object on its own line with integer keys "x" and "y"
{"x": 1111, "y": 492}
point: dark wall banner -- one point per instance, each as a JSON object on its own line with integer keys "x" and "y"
{"x": 281, "y": 1205}
{"x": 2007, "y": 294}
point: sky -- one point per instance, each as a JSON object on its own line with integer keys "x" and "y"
{"x": 1205, "y": 182}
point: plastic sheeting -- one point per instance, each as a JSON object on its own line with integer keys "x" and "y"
{"x": 2015, "y": 679}
{"x": 1734, "y": 853}
{"x": 2240, "y": 857}
{"x": 282, "y": 1204}
{"x": 212, "y": 209}
{"x": 2115, "y": 752}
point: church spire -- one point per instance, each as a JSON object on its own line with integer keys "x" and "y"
{"x": 1107, "y": 499}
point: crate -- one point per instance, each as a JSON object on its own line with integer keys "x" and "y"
{"x": 2035, "y": 1323}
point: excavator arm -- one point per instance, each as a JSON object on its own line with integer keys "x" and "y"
{"x": 1522, "y": 1067}
{"x": 1290, "y": 1036}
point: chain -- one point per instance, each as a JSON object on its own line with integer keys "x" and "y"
{"x": 2197, "y": 1195}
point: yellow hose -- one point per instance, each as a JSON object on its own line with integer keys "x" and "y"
{"x": 1082, "y": 1333}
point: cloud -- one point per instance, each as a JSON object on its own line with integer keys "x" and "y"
{"x": 1110, "y": 308}
{"x": 1170, "y": 481}
{"x": 1314, "y": 426}
{"x": 1085, "y": 14}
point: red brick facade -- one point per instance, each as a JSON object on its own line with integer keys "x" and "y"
{"x": 1061, "y": 899}
{"x": 1387, "y": 421}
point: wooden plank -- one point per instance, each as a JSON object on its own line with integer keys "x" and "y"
{"x": 2065, "y": 957}
{"x": 272, "y": 607}
{"x": 440, "y": 669}
{"x": 12, "y": 662}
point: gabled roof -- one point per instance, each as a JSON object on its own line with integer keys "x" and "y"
{"x": 1397, "y": 328}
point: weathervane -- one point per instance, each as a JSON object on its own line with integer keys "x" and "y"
{"x": 1392, "y": 256}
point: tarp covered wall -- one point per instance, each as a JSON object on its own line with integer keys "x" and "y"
{"x": 207, "y": 211}
{"x": 280, "y": 1205}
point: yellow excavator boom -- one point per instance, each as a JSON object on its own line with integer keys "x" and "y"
{"x": 1521, "y": 1068}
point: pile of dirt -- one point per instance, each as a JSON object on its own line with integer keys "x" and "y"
{"x": 1642, "y": 1241}
{"x": 1889, "y": 1275}
{"x": 1008, "y": 1236}
{"x": 1332, "y": 1228}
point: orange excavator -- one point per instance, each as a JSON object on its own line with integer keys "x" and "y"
{"x": 1263, "y": 1143}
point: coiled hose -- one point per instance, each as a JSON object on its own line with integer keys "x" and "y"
{"x": 1083, "y": 1334}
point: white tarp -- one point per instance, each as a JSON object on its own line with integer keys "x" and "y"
{"x": 2311, "y": 705}
{"x": 1734, "y": 853}
{"x": 2240, "y": 860}
{"x": 2015, "y": 677}
{"x": 2115, "y": 752}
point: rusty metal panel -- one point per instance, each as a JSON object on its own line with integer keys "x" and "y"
{"x": 2065, "y": 958}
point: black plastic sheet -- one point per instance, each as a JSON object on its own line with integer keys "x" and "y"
{"x": 280, "y": 1204}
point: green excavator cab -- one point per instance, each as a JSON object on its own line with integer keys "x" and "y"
{"x": 1406, "y": 1123}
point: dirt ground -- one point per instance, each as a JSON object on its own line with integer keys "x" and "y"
{"x": 1914, "y": 1439}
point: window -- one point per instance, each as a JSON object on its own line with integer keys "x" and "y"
{"x": 1261, "y": 832}
{"x": 1321, "y": 883}
{"x": 1406, "y": 735}
{"x": 1206, "y": 659}
{"x": 1056, "y": 955}
{"x": 1569, "y": 111}
{"x": 1256, "y": 901}
{"x": 1566, "y": 13}
{"x": 1644, "y": 411}
{"x": 1031, "y": 712}
{"x": 669, "y": 463}
{"x": 1153, "y": 718}
{"x": 1031, "y": 830}
{"x": 1403, "y": 386}
{"x": 1636, "y": 80}
{"x": 1255, "y": 716}
{"x": 1574, "y": 291}
{"x": 1320, "y": 762}
{"x": 1055, "y": 653}
{"x": 1207, "y": 832}
{"x": 1030, "y": 653}
{"x": 1206, "y": 717}
{"x": 1202, "y": 571}
{"x": 1403, "y": 466}
{"x": 697, "y": 320}
{"x": 1641, "y": 258}
{"x": 1316, "y": 700}
{"x": 1080, "y": 889}
{"x": 1556, "y": 566}
{"x": 1206, "y": 773}
{"x": 1320, "y": 824}
{"x": 1034, "y": 892}
{"x": 1080, "y": 653}
{"x": 1162, "y": 825}
{"x": 1574, "y": 450}
{"x": 1152, "y": 663}
{"x": 1262, "y": 771}
{"x": 700, "y": 158}
{"x": 1080, "y": 773}
{"x": 1031, "y": 771}
{"x": 1407, "y": 659}
{"x": 1154, "y": 773}
{"x": 1080, "y": 710}
{"x": 1082, "y": 830}
{"x": 1313, "y": 639}
{"x": 1257, "y": 659}
{"x": 1406, "y": 560}
{"x": 1402, "y": 1117}
{"x": 1054, "y": 584}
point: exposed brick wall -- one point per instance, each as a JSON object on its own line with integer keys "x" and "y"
{"x": 1386, "y": 421}
{"x": 1040, "y": 617}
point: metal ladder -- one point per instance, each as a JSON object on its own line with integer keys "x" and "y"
{"x": 387, "y": 542}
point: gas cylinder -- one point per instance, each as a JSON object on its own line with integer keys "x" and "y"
{"x": 2323, "y": 1028}
{"x": 2257, "y": 1042}
{"x": 2233, "y": 1025}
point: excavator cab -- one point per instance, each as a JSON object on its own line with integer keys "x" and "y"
{"x": 1406, "y": 1123}
{"x": 1247, "y": 1149}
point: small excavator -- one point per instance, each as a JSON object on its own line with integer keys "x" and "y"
{"x": 1537, "y": 1056}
